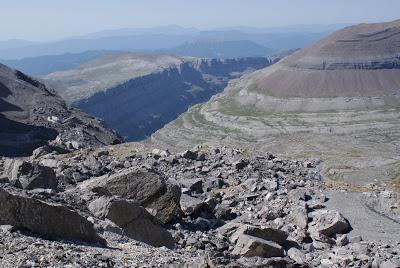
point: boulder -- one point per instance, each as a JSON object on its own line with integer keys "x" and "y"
{"x": 4, "y": 179}
{"x": 192, "y": 185}
{"x": 45, "y": 150}
{"x": 300, "y": 217}
{"x": 228, "y": 229}
{"x": 92, "y": 163}
{"x": 30, "y": 176}
{"x": 50, "y": 220}
{"x": 41, "y": 151}
{"x": 102, "y": 152}
{"x": 267, "y": 233}
{"x": 355, "y": 239}
{"x": 73, "y": 145}
{"x": 328, "y": 223}
{"x": 390, "y": 264}
{"x": 188, "y": 154}
{"x": 296, "y": 195}
{"x": 212, "y": 183}
{"x": 240, "y": 164}
{"x": 191, "y": 205}
{"x": 148, "y": 188}
{"x": 263, "y": 232}
{"x": 342, "y": 240}
{"x": 250, "y": 246}
{"x": 296, "y": 255}
{"x": 136, "y": 222}
{"x": 49, "y": 162}
{"x": 321, "y": 238}
{"x": 223, "y": 212}
{"x": 157, "y": 153}
{"x": 11, "y": 167}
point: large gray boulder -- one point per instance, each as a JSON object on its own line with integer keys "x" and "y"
{"x": 11, "y": 168}
{"x": 300, "y": 217}
{"x": 30, "y": 176}
{"x": 328, "y": 223}
{"x": 250, "y": 246}
{"x": 191, "y": 205}
{"x": 148, "y": 188}
{"x": 50, "y": 220}
{"x": 296, "y": 255}
{"x": 263, "y": 232}
{"x": 136, "y": 222}
{"x": 267, "y": 233}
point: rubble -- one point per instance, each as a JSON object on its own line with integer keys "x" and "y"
{"x": 206, "y": 210}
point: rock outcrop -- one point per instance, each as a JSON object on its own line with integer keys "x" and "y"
{"x": 50, "y": 220}
{"x": 30, "y": 176}
{"x": 147, "y": 188}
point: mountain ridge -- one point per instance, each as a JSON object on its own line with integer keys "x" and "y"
{"x": 162, "y": 41}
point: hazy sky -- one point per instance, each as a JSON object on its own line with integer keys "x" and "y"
{"x": 53, "y": 19}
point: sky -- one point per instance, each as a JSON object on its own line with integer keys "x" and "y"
{"x": 41, "y": 20}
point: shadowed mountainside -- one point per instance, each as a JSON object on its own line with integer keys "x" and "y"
{"x": 31, "y": 115}
{"x": 138, "y": 94}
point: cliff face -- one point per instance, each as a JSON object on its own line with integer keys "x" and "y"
{"x": 140, "y": 106}
{"x": 31, "y": 115}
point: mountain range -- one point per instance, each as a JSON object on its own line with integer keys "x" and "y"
{"x": 163, "y": 39}
{"x": 43, "y": 65}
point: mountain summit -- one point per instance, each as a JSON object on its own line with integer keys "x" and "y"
{"x": 357, "y": 61}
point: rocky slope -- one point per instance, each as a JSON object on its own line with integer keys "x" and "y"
{"x": 337, "y": 100}
{"x": 31, "y": 115}
{"x": 133, "y": 206}
{"x": 138, "y": 94}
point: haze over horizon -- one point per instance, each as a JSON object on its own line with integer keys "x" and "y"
{"x": 45, "y": 20}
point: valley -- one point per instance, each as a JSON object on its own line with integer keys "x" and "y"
{"x": 318, "y": 102}
{"x": 138, "y": 94}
